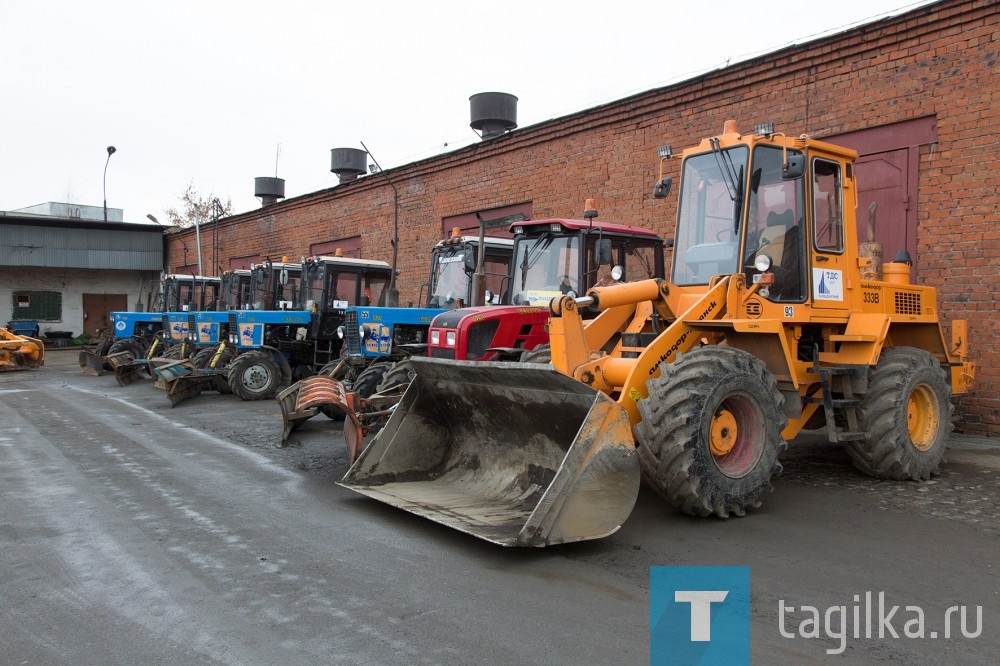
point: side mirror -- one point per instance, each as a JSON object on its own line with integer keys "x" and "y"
{"x": 662, "y": 188}
{"x": 794, "y": 168}
{"x": 602, "y": 252}
{"x": 470, "y": 260}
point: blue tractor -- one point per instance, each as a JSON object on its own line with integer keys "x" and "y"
{"x": 291, "y": 334}
{"x": 379, "y": 340}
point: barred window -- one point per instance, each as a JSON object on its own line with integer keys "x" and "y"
{"x": 37, "y": 305}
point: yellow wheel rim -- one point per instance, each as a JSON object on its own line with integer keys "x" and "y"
{"x": 922, "y": 418}
{"x": 724, "y": 432}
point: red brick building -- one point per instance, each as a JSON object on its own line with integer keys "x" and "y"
{"x": 918, "y": 95}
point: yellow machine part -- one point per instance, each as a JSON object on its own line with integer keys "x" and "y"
{"x": 19, "y": 352}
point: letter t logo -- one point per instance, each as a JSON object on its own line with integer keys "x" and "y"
{"x": 701, "y": 610}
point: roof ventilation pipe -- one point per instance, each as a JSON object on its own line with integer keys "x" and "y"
{"x": 493, "y": 113}
{"x": 348, "y": 163}
{"x": 268, "y": 190}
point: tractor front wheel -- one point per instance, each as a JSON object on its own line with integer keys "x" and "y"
{"x": 254, "y": 376}
{"x": 710, "y": 433}
{"x": 906, "y": 416}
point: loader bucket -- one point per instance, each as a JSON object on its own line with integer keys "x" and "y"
{"x": 514, "y": 453}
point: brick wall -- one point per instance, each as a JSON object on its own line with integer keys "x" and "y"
{"x": 940, "y": 60}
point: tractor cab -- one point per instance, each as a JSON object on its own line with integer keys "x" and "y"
{"x": 332, "y": 283}
{"x": 454, "y": 263}
{"x": 276, "y": 286}
{"x": 553, "y": 258}
{"x": 180, "y": 293}
{"x": 235, "y": 290}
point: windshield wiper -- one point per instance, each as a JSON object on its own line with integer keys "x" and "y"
{"x": 533, "y": 255}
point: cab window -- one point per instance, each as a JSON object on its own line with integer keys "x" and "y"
{"x": 828, "y": 208}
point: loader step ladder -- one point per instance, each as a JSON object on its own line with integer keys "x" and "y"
{"x": 838, "y": 384}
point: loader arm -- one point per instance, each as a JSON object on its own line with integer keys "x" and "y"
{"x": 628, "y": 308}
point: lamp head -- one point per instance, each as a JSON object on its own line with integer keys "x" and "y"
{"x": 111, "y": 150}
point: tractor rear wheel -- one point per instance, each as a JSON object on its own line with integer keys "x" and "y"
{"x": 540, "y": 354}
{"x": 130, "y": 345}
{"x": 400, "y": 373}
{"x": 177, "y": 352}
{"x": 710, "y": 434}
{"x": 368, "y": 381}
{"x": 220, "y": 382}
{"x": 254, "y": 376}
{"x": 906, "y": 416}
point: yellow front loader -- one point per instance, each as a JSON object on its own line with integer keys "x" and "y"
{"x": 694, "y": 384}
{"x": 20, "y": 352}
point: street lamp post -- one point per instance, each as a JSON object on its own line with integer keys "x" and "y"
{"x": 111, "y": 151}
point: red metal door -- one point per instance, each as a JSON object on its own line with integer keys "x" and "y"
{"x": 97, "y": 309}
{"x": 884, "y": 178}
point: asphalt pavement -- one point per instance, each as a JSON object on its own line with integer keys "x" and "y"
{"x": 133, "y": 532}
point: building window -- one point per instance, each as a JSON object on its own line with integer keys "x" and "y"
{"x": 37, "y": 305}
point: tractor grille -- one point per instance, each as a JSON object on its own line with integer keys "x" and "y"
{"x": 908, "y": 303}
{"x": 439, "y": 352}
{"x": 232, "y": 324}
{"x": 352, "y": 339}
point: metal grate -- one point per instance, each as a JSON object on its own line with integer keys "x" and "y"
{"x": 352, "y": 337}
{"x": 37, "y": 305}
{"x": 908, "y": 302}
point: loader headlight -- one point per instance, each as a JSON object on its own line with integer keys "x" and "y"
{"x": 449, "y": 339}
{"x": 340, "y": 332}
{"x": 435, "y": 338}
{"x": 762, "y": 262}
{"x": 616, "y": 273}
{"x": 361, "y": 332}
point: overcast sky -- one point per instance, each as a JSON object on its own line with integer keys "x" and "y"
{"x": 218, "y": 92}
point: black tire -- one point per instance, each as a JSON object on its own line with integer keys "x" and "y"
{"x": 710, "y": 434}
{"x": 368, "y": 381}
{"x": 400, "y": 373}
{"x": 906, "y": 416}
{"x": 254, "y": 375}
{"x": 540, "y": 354}
{"x": 220, "y": 382}
{"x": 178, "y": 351}
{"x": 130, "y": 345}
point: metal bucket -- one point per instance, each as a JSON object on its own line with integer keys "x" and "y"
{"x": 514, "y": 453}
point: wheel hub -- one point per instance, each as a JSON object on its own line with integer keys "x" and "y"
{"x": 724, "y": 433}
{"x": 922, "y": 418}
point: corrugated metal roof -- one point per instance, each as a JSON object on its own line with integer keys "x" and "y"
{"x": 80, "y": 245}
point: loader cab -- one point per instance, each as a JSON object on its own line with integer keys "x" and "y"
{"x": 453, "y": 263}
{"x": 553, "y": 258}
{"x": 276, "y": 286}
{"x": 330, "y": 284}
{"x": 740, "y": 212}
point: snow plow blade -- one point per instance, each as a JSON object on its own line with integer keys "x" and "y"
{"x": 302, "y": 400}
{"x": 20, "y": 352}
{"x": 91, "y": 362}
{"x": 516, "y": 454}
{"x": 182, "y": 379}
{"x": 128, "y": 369}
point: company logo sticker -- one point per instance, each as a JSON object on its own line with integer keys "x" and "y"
{"x": 699, "y": 615}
